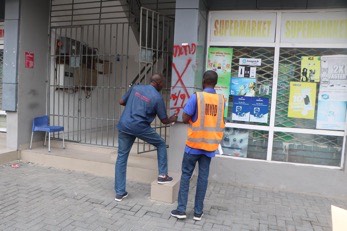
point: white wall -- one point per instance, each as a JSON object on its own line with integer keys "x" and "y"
{"x": 281, "y": 176}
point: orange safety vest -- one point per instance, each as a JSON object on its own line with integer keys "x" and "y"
{"x": 207, "y": 131}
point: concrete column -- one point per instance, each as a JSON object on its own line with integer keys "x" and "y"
{"x": 187, "y": 68}
{"x": 10, "y": 70}
{"x": 30, "y": 36}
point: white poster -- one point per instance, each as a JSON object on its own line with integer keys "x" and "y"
{"x": 332, "y": 97}
{"x": 314, "y": 27}
{"x": 247, "y": 71}
{"x": 331, "y": 115}
{"x": 333, "y": 86}
{"x": 250, "y": 62}
{"x": 226, "y": 26}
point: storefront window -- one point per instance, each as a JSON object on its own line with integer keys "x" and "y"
{"x": 250, "y": 89}
{"x": 307, "y": 149}
{"x": 292, "y": 64}
{"x": 245, "y": 143}
{"x": 286, "y": 87}
{"x": 262, "y": 78}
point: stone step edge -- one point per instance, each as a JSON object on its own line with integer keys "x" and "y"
{"x": 96, "y": 168}
{"x": 9, "y": 156}
{"x": 134, "y": 160}
{"x": 88, "y": 147}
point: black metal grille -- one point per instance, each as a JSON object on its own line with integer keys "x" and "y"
{"x": 255, "y": 145}
{"x": 264, "y": 75}
{"x": 289, "y": 70}
{"x": 287, "y": 146}
{"x": 307, "y": 149}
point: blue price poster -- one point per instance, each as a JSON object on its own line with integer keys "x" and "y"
{"x": 259, "y": 110}
{"x": 241, "y": 108}
{"x": 243, "y": 86}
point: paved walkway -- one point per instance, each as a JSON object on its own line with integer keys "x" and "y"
{"x": 39, "y": 198}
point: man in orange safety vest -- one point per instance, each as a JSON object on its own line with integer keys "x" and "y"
{"x": 204, "y": 114}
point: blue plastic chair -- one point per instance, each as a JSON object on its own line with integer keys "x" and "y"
{"x": 41, "y": 124}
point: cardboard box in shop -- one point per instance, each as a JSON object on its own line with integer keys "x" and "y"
{"x": 84, "y": 76}
{"x": 104, "y": 67}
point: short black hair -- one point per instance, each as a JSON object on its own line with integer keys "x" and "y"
{"x": 210, "y": 78}
{"x": 157, "y": 78}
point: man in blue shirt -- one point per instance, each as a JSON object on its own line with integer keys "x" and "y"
{"x": 196, "y": 112}
{"x": 142, "y": 104}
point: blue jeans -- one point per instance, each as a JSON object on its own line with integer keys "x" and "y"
{"x": 125, "y": 142}
{"x": 188, "y": 165}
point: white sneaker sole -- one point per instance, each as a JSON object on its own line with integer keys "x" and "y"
{"x": 179, "y": 216}
{"x": 198, "y": 218}
{"x": 119, "y": 200}
{"x": 165, "y": 182}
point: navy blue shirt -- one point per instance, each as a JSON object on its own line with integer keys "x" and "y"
{"x": 190, "y": 109}
{"x": 143, "y": 103}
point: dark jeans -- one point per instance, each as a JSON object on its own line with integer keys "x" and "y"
{"x": 188, "y": 165}
{"x": 125, "y": 142}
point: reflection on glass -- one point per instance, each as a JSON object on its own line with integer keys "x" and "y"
{"x": 235, "y": 142}
{"x": 307, "y": 149}
{"x": 244, "y": 143}
{"x": 299, "y": 65}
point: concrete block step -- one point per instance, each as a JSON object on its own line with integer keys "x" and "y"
{"x": 166, "y": 192}
{"x": 91, "y": 159}
{"x": 7, "y": 155}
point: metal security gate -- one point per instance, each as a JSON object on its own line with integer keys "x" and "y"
{"x": 156, "y": 44}
{"x": 95, "y": 58}
{"x": 89, "y": 57}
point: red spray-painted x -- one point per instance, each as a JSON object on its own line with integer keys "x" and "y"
{"x": 180, "y": 76}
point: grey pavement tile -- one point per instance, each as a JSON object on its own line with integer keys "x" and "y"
{"x": 41, "y": 198}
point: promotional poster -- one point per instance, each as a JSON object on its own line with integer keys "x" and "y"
{"x": 310, "y": 69}
{"x": 332, "y": 97}
{"x": 241, "y": 108}
{"x": 243, "y": 86}
{"x": 331, "y": 115}
{"x": 247, "y": 71}
{"x": 259, "y": 110}
{"x": 302, "y": 100}
{"x": 235, "y": 142}
{"x": 334, "y": 77}
{"x": 248, "y": 68}
{"x": 219, "y": 60}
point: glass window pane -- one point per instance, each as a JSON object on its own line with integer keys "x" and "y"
{"x": 1, "y": 75}
{"x": 290, "y": 71}
{"x": 307, "y": 149}
{"x": 245, "y": 143}
{"x": 263, "y": 76}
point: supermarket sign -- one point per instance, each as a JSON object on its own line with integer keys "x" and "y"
{"x": 317, "y": 27}
{"x": 295, "y": 27}
{"x": 230, "y": 26}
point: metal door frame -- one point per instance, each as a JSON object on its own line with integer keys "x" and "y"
{"x": 95, "y": 26}
{"x": 155, "y": 49}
